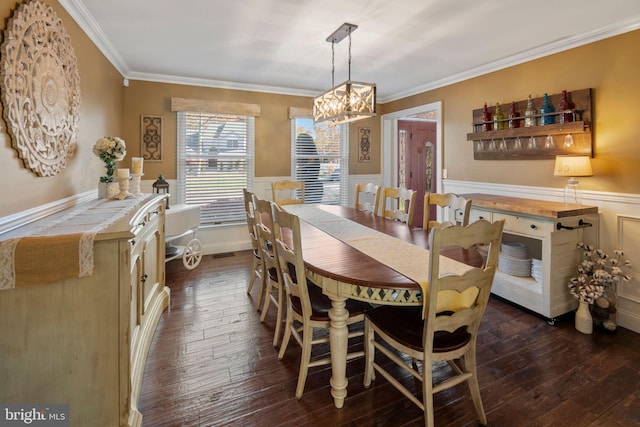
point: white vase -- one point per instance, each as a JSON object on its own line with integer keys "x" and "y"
{"x": 107, "y": 190}
{"x": 584, "y": 321}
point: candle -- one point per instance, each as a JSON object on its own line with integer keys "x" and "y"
{"x": 136, "y": 165}
{"x": 122, "y": 173}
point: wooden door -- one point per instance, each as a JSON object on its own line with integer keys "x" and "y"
{"x": 417, "y": 141}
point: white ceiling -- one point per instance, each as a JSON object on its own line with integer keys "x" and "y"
{"x": 404, "y": 46}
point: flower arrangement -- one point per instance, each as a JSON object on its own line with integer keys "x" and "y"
{"x": 110, "y": 149}
{"x": 597, "y": 272}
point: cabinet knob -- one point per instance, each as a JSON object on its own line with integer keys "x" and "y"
{"x": 143, "y": 223}
{"x": 480, "y": 217}
{"x": 533, "y": 226}
{"x": 133, "y": 242}
{"x": 144, "y": 277}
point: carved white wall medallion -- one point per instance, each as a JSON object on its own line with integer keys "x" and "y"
{"x": 40, "y": 88}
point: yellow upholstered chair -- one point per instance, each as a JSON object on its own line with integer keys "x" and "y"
{"x": 274, "y": 288}
{"x": 367, "y": 197}
{"x": 288, "y": 192}
{"x": 446, "y": 329}
{"x": 308, "y": 308}
{"x": 398, "y": 203}
{"x": 257, "y": 268}
{"x": 456, "y": 210}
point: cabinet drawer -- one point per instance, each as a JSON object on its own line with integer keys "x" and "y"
{"x": 477, "y": 214}
{"x": 524, "y": 225}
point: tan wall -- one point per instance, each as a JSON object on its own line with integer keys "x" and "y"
{"x": 100, "y": 114}
{"x": 273, "y": 127}
{"x": 608, "y": 66}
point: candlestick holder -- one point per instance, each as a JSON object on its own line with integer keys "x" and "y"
{"x": 124, "y": 188}
{"x": 135, "y": 184}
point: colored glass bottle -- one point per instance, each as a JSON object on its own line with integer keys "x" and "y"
{"x": 514, "y": 122}
{"x": 566, "y": 115}
{"x": 498, "y": 118}
{"x": 529, "y": 114}
{"x": 546, "y": 110}
{"x": 486, "y": 119}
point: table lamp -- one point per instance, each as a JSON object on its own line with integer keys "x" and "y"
{"x": 573, "y": 167}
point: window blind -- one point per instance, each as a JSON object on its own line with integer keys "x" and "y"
{"x": 215, "y": 162}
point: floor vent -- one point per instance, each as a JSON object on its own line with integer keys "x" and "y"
{"x": 223, "y": 255}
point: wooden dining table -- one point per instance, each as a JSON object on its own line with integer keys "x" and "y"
{"x": 345, "y": 272}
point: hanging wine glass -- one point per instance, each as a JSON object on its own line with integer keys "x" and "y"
{"x": 517, "y": 145}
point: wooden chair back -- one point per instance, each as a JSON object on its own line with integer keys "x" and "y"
{"x": 367, "y": 197}
{"x": 455, "y": 210}
{"x": 288, "y": 192}
{"x": 256, "y": 272}
{"x": 271, "y": 267}
{"x": 288, "y": 245}
{"x": 398, "y": 203}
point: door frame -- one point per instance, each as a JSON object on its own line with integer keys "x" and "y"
{"x": 389, "y": 131}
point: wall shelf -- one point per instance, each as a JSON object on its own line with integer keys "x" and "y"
{"x": 501, "y": 144}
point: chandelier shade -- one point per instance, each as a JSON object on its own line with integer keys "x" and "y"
{"x": 348, "y": 101}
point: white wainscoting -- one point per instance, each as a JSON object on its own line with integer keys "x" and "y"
{"x": 619, "y": 228}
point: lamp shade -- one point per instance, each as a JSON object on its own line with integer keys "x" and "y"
{"x": 573, "y": 166}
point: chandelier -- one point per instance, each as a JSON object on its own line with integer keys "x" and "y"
{"x": 350, "y": 100}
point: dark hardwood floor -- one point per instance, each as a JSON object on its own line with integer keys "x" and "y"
{"x": 212, "y": 363}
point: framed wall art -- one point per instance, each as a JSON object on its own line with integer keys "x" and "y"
{"x": 364, "y": 145}
{"x": 151, "y": 138}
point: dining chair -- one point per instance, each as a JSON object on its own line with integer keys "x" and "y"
{"x": 367, "y": 197}
{"x": 445, "y": 329}
{"x": 308, "y": 308}
{"x": 398, "y": 203}
{"x": 455, "y": 210}
{"x": 274, "y": 288}
{"x": 257, "y": 268}
{"x": 288, "y": 192}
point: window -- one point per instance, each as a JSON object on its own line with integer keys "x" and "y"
{"x": 320, "y": 158}
{"x": 215, "y": 162}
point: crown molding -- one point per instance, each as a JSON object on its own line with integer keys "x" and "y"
{"x": 77, "y": 10}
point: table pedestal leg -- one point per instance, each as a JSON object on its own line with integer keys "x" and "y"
{"x": 338, "y": 340}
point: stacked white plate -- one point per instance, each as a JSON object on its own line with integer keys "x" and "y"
{"x": 513, "y": 259}
{"x": 514, "y": 249}
{"x": 536, "y": 269}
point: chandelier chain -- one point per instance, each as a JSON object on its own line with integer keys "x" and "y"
{"x": 333, "y": 64}
{"x": 349, "y": 55}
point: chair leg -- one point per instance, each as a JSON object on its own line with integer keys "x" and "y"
{"x": 281, "y": 308}
{"x": 469, "y": 365}
{"x": 369, "y": 353}
{"x": 287, "y": 333}
{"x": 252, "y": 279}
{"x": 305, "y": 357}
{"x": 427, "y": 393}
{"x": 263, "y": 286}
{"x": 267, "y": 298}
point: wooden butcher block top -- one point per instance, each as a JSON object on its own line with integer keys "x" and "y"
{"x": 529, "y": 206}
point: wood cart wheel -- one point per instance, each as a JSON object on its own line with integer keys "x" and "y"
{"x": 192, "y": 254}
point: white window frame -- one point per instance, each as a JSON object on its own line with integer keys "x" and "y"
{"x": 235, "y": 213}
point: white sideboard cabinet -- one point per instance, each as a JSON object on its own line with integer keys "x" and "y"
{"x": 83, "y": 341}
{"x": 550, "y": 231}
